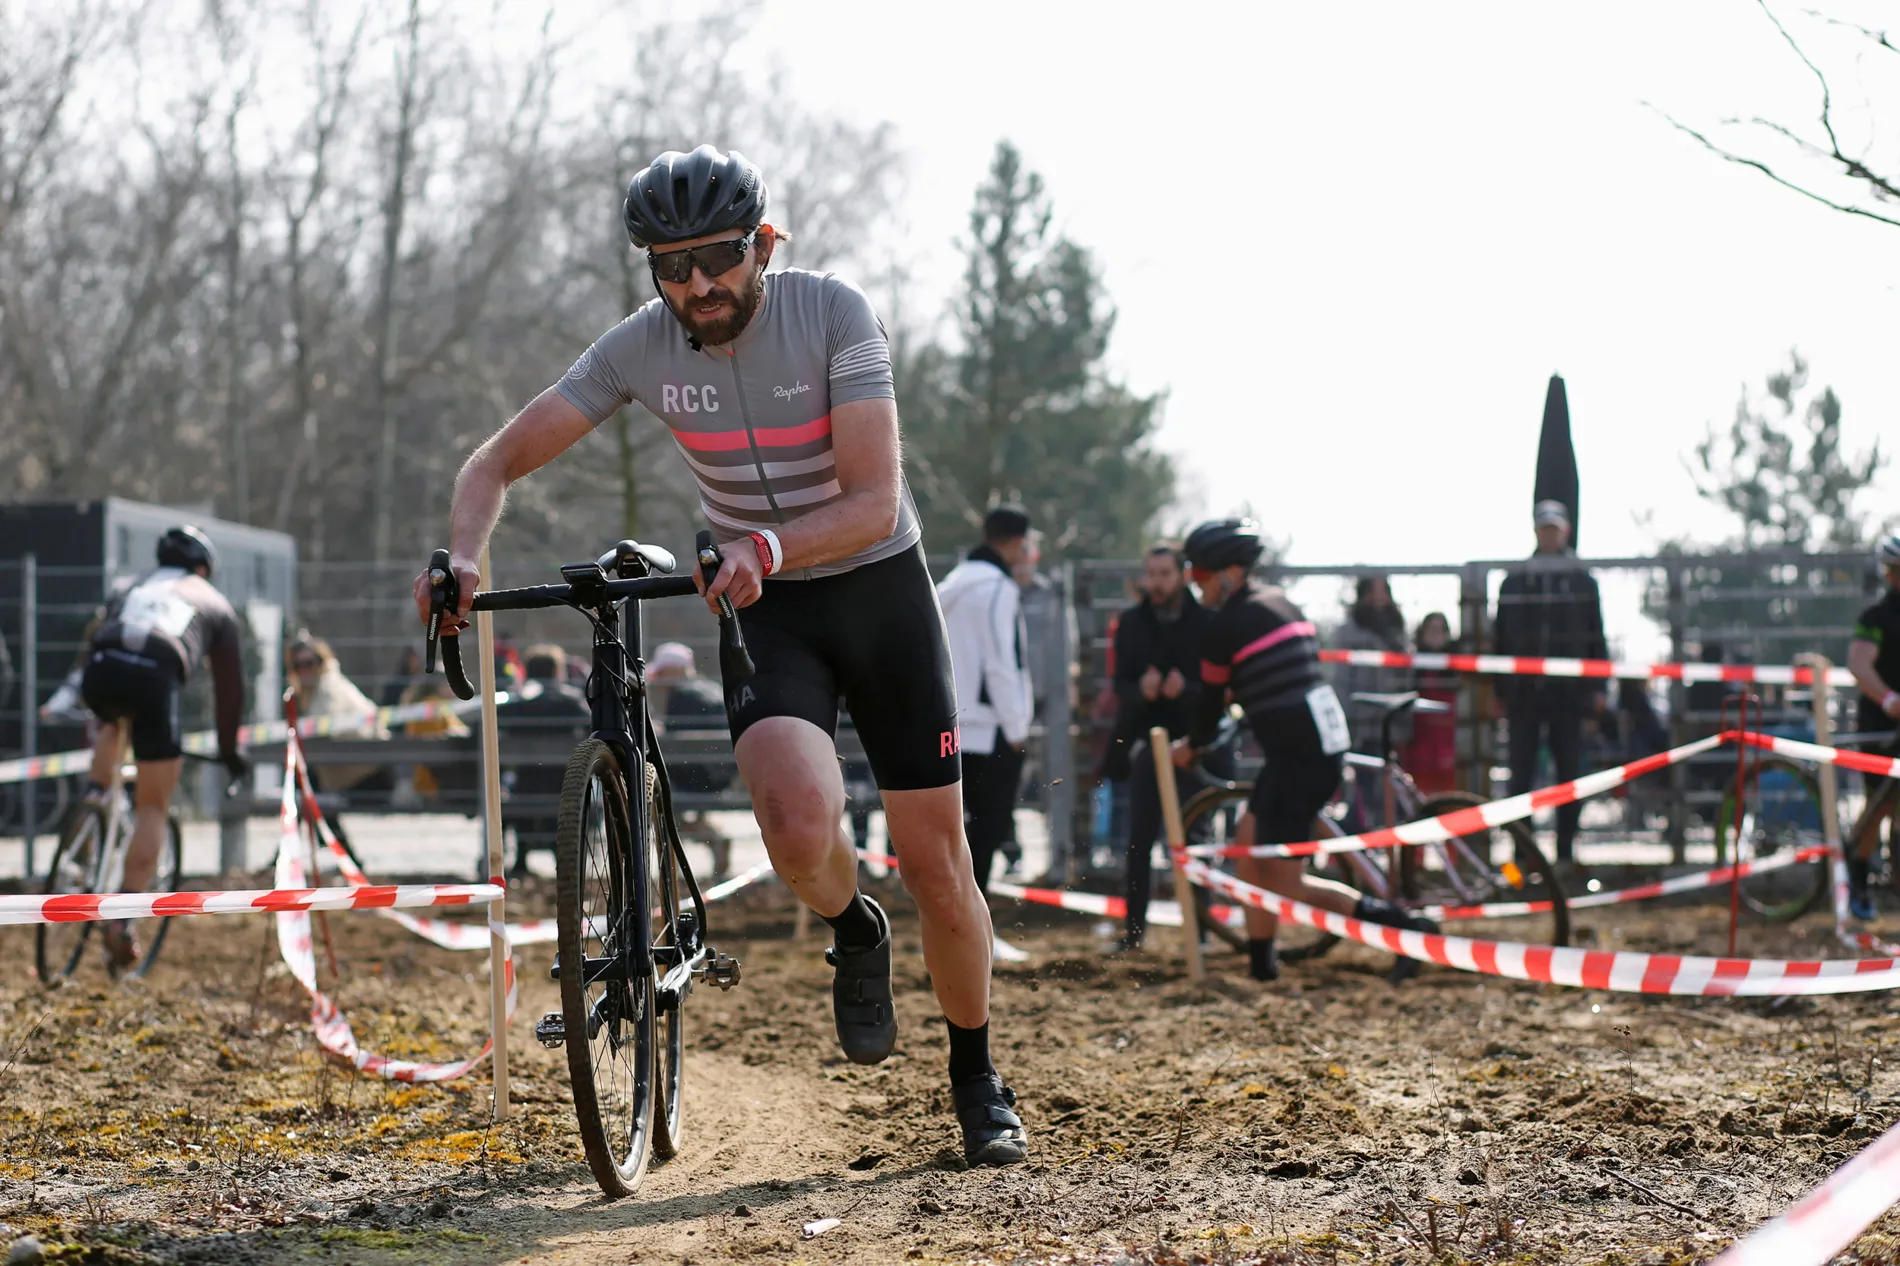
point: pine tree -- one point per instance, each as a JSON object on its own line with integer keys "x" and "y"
{"x": 1024, "y": 410}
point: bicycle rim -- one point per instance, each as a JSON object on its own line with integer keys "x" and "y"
{"x": 663, "y": 934}
{"x": 170, "y": 873}
{"x": 1495, "y": 865}
{"x": 601, "y": 892}
{"x": 1213, "y": 817}
{"x": 1780, "y": 817}
{"x": 77, "y": 860}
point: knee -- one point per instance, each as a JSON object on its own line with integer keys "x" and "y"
{"x": 941, "y": 884}
{"x": 799, "y": 826}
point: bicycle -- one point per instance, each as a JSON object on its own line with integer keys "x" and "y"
{"x": 1495, "y": 864}
{"x": 1783, "y": 821}
{"x": 90, "y": 858}
{"x": 627, "y": 952}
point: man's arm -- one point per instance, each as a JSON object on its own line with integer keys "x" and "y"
{"x": 1861, "y": 654}
{"x": 548, "y": 427}
{"x": 864, "y": 444}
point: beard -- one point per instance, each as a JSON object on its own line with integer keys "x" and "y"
{"x": 738, "y": 310}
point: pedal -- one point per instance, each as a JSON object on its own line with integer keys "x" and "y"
{"x": 722, "y": 970}
{"x": 551, "y": 1030}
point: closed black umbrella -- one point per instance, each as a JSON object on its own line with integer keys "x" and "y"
{"x": 1556, "y": 458}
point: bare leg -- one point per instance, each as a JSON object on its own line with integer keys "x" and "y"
{"x": 1286, "y": 876}
{"x": 157, "y": 780}
{"x": 108, "y": 751}
{"x": 790, "y": 767}
{"x": 933, "y": 860}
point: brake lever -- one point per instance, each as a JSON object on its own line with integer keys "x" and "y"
{"x": 445, "y": 596}
{"x": 730, "y": 634}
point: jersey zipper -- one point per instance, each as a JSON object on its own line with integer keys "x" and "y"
{"x": 752, "y": 440}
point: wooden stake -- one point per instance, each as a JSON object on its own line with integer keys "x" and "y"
{"x": 1177, "y": 840}
{"x": 1830, "y": 787}
{"x": 498, "y": 951}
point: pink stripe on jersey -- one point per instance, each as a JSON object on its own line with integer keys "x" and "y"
{"x": 1279, "y": 635}
{"x": 765, "y": 436}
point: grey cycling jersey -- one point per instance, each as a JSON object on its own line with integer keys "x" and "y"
{"x": 753, "y": 417}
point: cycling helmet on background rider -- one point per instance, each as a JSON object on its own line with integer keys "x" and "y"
{"x": 679, "y": 196}
{"x": 1887, "y": 551}
{"x": 185, "y": 546}
{"x": 1224, "y": 543}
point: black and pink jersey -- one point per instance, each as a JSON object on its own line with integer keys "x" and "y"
{"x": 1260, "y": 648}
{"x": 753, "y": 417}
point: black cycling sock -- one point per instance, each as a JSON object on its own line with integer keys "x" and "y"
{"x": 1263, "y": 960}
{"x": 855, "y": 927}
{"x": 969, "y": 1051}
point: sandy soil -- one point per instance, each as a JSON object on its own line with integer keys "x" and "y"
{"x": 1328, "y": 1118}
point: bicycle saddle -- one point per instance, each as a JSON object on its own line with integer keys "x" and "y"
{"x": 620, "y": 558}
{"x": 1399, "y": 702}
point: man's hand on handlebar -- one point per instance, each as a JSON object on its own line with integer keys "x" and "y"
{"x": 467, "y": 576}
{"x": 738, "y": 579}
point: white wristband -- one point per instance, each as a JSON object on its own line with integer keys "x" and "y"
{"x": 778, "y": 551}
{"x": 1886, "y": 705}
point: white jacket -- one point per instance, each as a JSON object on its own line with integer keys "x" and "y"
{"x": 983, "y": 612}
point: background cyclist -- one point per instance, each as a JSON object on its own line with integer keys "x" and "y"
{"x": 1873, "y": 656}
{"x": 778, "y": 389}
{"x": 1263, "y": 652}
{"x": 156, "y": 632}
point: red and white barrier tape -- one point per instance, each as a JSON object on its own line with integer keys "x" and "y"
{"x": 1165, "y": 914}
{"x": 205, "y": 742}
{"x": 1461, "y": 822}
{"x": 88, "y": 907}
{"x": 295, "y": 945}
{"x": 1865, "y": 762}
{"x": 1641, "y": 892}
{"x": 1620, "y": 971}
{"x": 1552, "y": 666}
{"x": 1829, "y": 1218}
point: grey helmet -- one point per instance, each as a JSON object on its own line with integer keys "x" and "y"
{"x": 679, "y": 196}
{"x": 186, "y": 546}
{"x": 1224, "y": 543}
{"x": 1887, "y": 551}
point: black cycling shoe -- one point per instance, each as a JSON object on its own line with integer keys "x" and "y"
{"x": 861, "y": 997}
{"x": 992, "y": 1134}
{"x": 1403, "y": 968}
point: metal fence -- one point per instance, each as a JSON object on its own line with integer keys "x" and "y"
{"x": 1760, "y": 608}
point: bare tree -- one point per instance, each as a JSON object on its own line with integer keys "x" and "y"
{"x": 1815, "y": 156}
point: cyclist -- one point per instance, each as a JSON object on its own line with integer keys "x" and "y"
{"x": 778, "y": 389}
{"x": 156, "y": 632}
{"x": 1262, "y": 651}
{"x": 1873, "y": 656}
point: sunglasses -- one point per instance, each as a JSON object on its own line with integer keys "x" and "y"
{"x": 714, "y": 259}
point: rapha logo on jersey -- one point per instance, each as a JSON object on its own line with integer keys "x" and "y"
{"x": 950, "y": 742}
{"x": 688, "y": 399}
{"x": 745, "y": 696}
{"x": 786, "y": 393}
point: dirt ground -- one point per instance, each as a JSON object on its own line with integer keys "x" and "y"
{"x": 1327, "y": 1118}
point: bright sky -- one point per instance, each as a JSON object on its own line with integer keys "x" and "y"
{"x": 1353, "y": 241}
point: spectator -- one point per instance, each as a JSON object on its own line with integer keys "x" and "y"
{"x": 983, "y": 614}
{"x": 325, "y": 695}
{"x": 545, "y": 717}
{"x": 408, "y": 669}
{"x": 1373, "y": 623}
{"x": 1157, "y": 682}
{"x": 510, "y": 672}
{"x": 424, "y": 782}
{"x": 1550, "y": 609}
{"x": 687, "y": 701}
{"x": 1041, "y": 612}
{"x": 1432, "y": 755}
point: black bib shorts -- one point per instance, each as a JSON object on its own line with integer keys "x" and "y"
{"x": 1298, "y": 778}
{"x": 120, "y": 685}
{"x": 872, "y": 637}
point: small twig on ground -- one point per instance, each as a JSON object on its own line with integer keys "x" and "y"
{"x": 1320, "y": 1051}
{"x": 1656, "y": 1196}
{"x": 21, "y": 1046}
{"x": 1392, "y": 1206}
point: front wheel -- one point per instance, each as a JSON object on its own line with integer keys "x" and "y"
{"x": 78, "y": 867}
{"x": 1212, "y": 816}
{"x": 1783, "y": 820}
{"x": 1500, "y": 867}
{"x": 607, "y": 981}
{"x": 171, "y": 868}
